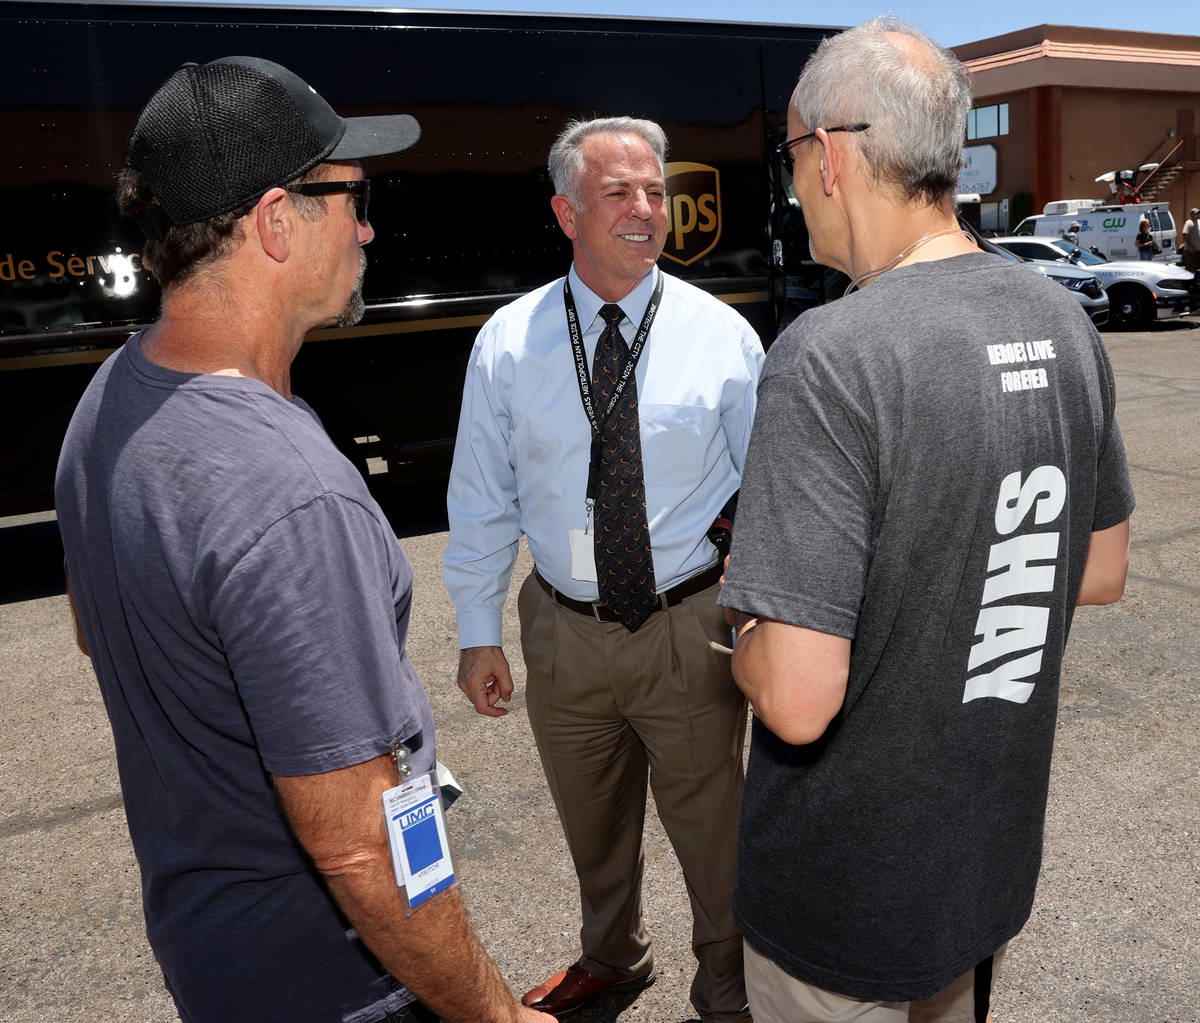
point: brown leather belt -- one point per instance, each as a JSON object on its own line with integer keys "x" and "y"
{"x": 675, "y": 595}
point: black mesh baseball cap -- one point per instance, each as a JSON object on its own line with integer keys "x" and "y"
{"x": 216, "y": 136}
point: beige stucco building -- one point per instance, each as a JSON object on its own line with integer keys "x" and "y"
{"x": 1057, "y": 106}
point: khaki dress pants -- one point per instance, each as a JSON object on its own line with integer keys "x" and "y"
{"x": 780, "y": 998}
{"x": 610, "y": 708}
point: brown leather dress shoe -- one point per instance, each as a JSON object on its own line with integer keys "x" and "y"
{"x": 574, "y": 988}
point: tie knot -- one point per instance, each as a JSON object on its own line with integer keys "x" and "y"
{"x": 611, "y": 314}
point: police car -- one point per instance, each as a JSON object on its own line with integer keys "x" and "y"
{"x": 1138, "y": 291}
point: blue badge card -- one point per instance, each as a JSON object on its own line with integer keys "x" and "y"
{"x": 416, "y": 833}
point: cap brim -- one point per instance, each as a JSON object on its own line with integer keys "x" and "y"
{"x": 376, "y": 136}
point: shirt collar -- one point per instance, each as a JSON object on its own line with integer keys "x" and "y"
{"x": 633, "y": 305}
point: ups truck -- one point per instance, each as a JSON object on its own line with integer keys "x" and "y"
{"x": 463, "y": 222}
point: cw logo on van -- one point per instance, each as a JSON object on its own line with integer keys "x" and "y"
{"x": 693, "y": 211}
{"x": 1111, "y": 223}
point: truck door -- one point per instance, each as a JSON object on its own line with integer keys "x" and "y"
{"x": 797, "y": 281}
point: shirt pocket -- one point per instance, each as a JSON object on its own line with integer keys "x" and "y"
{"x": 677, "y": 441}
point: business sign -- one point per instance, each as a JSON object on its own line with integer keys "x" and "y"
{"x": 978, "y": 172}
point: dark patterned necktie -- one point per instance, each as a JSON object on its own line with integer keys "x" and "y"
{"x": 624, "y": 568}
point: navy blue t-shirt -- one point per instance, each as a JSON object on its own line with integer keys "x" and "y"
{"x": 245, "y": 604}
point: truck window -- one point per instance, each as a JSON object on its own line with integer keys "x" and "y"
{"x": 1026, "y": 227}
{"x": 1161, "y": 220}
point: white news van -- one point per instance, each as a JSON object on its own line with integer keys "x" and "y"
{"x": 1110, "y": 229}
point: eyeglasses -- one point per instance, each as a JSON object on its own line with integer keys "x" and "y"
{"x": 784, "y": 149}
{"x": 360, "y": 189}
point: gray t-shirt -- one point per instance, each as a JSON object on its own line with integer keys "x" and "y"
{"x": 245, "y": 603}
{"x": 929, "y": 459}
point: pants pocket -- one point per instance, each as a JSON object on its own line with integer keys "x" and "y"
{"x": 537, "y": 615}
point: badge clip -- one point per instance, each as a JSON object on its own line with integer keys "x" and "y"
{"x": 403, "y": 759}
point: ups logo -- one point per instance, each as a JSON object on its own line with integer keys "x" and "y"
{"x": 693, "y": 211}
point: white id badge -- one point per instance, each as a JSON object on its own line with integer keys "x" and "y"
{"x": 416, "y": 833}
{"x": 583, "y": 555}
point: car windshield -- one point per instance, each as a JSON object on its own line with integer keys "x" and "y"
{"x": 1085, "y": 257}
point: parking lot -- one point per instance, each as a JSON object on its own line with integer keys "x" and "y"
{"x": 1115, "y": 932}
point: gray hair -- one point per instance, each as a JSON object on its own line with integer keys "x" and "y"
{"x": 915, "y": 102}
{"x": 566, "y": 155}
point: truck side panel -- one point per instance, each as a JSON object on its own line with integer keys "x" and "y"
{"x": 463, "y": 222}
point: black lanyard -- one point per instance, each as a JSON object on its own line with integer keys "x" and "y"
{"x": 583, "y": 377}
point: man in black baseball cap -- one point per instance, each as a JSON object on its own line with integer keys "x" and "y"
{"x": 1189, "y": 243}
{"x": 216, "y": 136}
{"x": 242, "y": 597}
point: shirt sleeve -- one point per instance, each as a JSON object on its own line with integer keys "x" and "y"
{"x": 308, "y": 617}
{"x": 741, "y": 397}
{"x": 1114, "y": 489}
{"x": 481, "y": 503}
{"x": 802, "y": 545}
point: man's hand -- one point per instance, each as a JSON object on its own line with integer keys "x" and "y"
{"x": 484, "y": 677}
{"x": 435, "y": 953}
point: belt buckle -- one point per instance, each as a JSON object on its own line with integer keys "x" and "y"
{"x": 596, "y": 611}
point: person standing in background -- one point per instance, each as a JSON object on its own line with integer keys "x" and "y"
{"x": 1144, "y": 240}
{"x": 1191, "y": 241}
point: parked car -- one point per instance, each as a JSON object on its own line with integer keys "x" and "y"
{"x": 1138, "y": 292}
{"x": 1083, "y": 285}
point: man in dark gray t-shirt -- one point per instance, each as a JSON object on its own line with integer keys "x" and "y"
{"x": 243, "y": 599}
{"x": 935, "y": 480}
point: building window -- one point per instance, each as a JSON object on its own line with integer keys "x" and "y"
{"x": 987, "y": 122}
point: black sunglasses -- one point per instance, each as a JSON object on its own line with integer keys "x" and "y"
{"x": 784, "y": 149}
{"x": 360, "y": 189}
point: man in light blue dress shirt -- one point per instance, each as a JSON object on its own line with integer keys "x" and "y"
{"x": 611, "y": 707}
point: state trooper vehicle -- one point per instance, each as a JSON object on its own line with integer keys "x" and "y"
{"x": 1139, "y": 292}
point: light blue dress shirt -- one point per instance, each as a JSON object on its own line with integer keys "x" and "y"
{"x": 524, "y": 441}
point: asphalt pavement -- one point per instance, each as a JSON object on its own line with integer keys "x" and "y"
{"x": 1115, "y": 931}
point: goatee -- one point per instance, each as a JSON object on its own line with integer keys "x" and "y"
{"x": 355, "y": 305}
